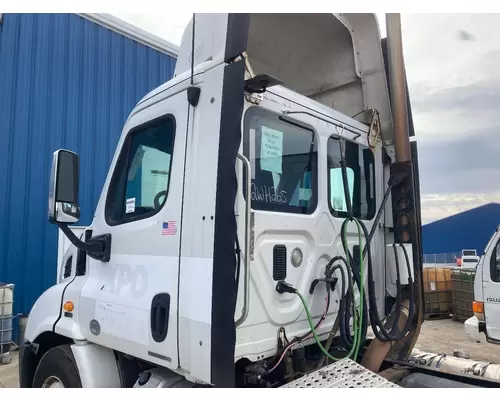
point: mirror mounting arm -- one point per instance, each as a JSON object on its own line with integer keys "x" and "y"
{"x": 97, "y": 247}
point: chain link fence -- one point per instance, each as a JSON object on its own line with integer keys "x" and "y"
{"x": 441, "y": 258}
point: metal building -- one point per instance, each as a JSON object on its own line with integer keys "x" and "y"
{"x": 66, "y": 81}
{"x": 472, "y": 229}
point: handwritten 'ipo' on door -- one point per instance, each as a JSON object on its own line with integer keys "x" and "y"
{"x": 271, "y": 150}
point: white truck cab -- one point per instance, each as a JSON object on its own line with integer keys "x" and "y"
{"x": 260, "y": 212}
{"x": 486, "y": 320}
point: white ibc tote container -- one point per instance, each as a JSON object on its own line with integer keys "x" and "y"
{"x": 6, "y": 317}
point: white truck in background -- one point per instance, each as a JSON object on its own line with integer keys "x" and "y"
{"x": 485, "y": 324}
{"x": 469, "y": 253}
{"x": 469, "y": 259}
{"x": 260, "y": 212}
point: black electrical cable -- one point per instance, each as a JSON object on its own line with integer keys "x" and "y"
{"x": 378, "y": 216}
{"x": 375, "y": 322}
{"x": 345, "y": 335}
{"x": 323, "y": 317}
{"x": 398, "y": 293}
{"x": 285, "y": 337}
{"x": 393, "y": 181}
{"x": 378, "y": 327}
{"x": 345, "y": 302}
{"x": 344, "y": 178}
{"x": 356, "y": 278}
{"x": 354, "y": 274}
{"x": 347, "y": 299}
{"x": 381, "y": 333}
{"x": 411, "y": 292}
{"x": 298, "y": 339}
{"x": 192, "y": 49}
{"x": 343, "y": 294}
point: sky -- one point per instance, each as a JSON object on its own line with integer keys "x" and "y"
{"x": 452, "y": 64}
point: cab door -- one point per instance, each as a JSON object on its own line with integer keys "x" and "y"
{"x": 130, "y": 303}
{"x": 491, "y": 289}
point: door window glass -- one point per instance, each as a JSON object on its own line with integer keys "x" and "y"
{"x": 495, "y": 264}
{"x": 283, "y": 159}
{"x": 140, "y": 183}
{"x": 360, "y": 168}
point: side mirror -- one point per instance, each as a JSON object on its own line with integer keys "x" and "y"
{"x": 63, "y": 190}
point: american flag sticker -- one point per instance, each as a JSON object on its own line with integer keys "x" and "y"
{"x": 168, "y": 228}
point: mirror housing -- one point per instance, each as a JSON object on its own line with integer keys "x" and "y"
{"x": 63, "y": 189}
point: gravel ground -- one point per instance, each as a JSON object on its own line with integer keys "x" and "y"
{"x": 439, "y": 336}
{"x": 446, "y": 336}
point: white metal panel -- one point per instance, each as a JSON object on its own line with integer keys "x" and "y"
{"x": 117, "y": 296}
{"x": 195, "y": 279}
{"x": 317, "y": 235}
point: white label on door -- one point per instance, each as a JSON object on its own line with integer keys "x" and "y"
{"x": 433, "y": 286}
{"x": 130, "y": 205}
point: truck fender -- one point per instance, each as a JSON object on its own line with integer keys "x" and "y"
{"x": 97, "y": 365}
{"x": 45, "y": 313}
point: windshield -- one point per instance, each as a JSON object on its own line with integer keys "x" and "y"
{"x": 283, "y": 157}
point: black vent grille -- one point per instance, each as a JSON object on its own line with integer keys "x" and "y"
{"x": 279, "y": 262}
{"x": 67, "y": 267}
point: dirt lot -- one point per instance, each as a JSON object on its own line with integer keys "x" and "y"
{"x": 441, "y": 336}
{"x": 445, "y": 336}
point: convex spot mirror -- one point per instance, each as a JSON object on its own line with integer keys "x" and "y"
{"x": 63, "y": 189}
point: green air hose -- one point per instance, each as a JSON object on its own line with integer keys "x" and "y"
{"x": 316, "y": 338}
{"x": 357, "y": 329}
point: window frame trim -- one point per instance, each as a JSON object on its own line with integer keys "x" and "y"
{"x": 297, "y": 124}
{"x": 344, "y": 214}
{"x": 124, "y": 156}
{"x": 493, "y": 263}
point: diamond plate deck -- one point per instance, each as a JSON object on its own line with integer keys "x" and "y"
{"x": 342, "y": 374}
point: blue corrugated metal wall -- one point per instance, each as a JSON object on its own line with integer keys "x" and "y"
{"x": 471, "y": 229}
{"x": 65, "y": 82}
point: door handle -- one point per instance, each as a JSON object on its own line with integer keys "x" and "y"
{"x": 160, "y": 312}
